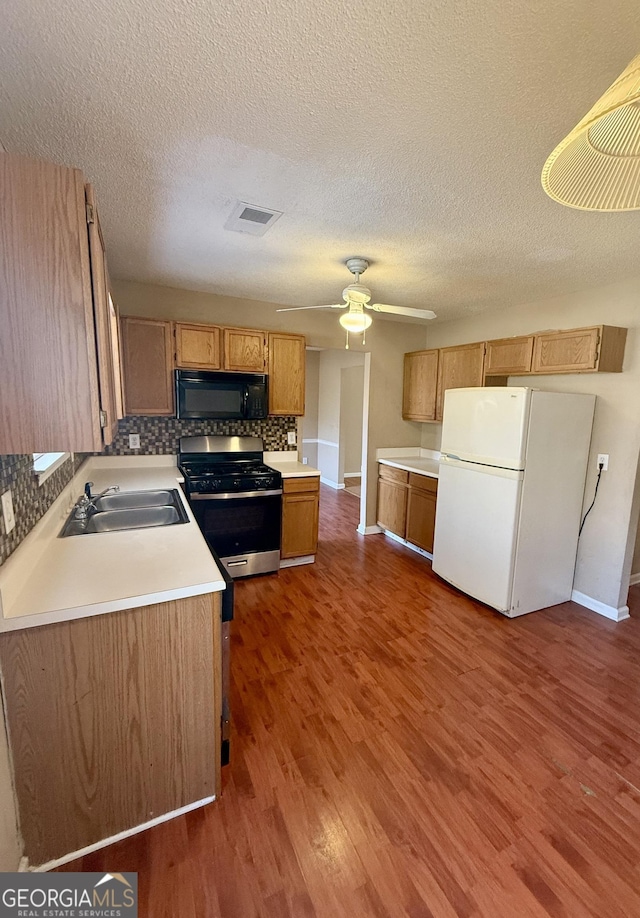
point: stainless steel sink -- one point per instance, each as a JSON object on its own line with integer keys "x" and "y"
{"x": 128, "y": 510}
{"x": 131, "y": 500}
{"x": 136, "y": 518}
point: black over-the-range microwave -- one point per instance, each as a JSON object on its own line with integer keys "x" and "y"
{"x": 222, "y": 396}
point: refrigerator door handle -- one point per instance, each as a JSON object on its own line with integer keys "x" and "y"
{"x": 497, "y": 471}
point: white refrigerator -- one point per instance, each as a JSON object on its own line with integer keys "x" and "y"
{"x": 510, "y": 494}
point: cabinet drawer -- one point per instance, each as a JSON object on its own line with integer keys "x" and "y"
{"x": 423, "y": 482}
{"x": 296, "y": 485}
{"x": 388, "y": 473}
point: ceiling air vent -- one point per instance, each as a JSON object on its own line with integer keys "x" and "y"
{"x": 248, "y": 218}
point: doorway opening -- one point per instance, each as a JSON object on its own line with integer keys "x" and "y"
{"x": 335, "y": 424}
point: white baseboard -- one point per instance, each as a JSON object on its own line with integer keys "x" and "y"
{"x": 633, "y": 579}
{"x": 23, "y": 866}
{"x": 294, "y": 562}
{"x": 332, "y": 484}
{"x": 368, "y": 530}
{"x": 355, "y": 475}
{"x": 51, "y": 865}
{"x": 416, "y": 548}
{"x": 616, "y": 615}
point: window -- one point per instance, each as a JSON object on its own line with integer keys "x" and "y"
{"x": 44, "y": 464}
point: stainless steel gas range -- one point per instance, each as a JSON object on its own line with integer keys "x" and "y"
{"x": 236, "y": 500}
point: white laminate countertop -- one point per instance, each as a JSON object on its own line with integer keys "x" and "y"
{"x": 287, "y": 464}
{"x": 48, "y": 579}
{"x": 422, "y": 462}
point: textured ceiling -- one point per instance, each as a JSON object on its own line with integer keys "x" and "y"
{"x": 412, "y": 133}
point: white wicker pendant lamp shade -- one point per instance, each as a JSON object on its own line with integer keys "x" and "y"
{"x": 597, "y": 166}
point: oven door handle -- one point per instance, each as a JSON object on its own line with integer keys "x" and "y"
{"x": 233, "y": 495}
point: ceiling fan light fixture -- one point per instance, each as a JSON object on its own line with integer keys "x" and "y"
{"x": 355, "y": 322}
{"x": 597, "y": 165}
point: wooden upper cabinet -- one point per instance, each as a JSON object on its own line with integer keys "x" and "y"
{"x": 287, "y": 362}
{"x": 420, "y": 386}
{"x": 599, "y": 348}
{"x": 116, "y": 350}
{"x": 147, "y": 366}
{"x": 52, "y": 386}
{"x": 198, "y": 346}
{"x": 458, "y": 368}
{"x": 509, "y": 355}
{"x": 107, "y": 365}
{"x": 244, "y": 349}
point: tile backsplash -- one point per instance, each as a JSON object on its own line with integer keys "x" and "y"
{"x": 30, "y": 500}
{"x": 161, "y": 435}
{"x": 157, "y": 436}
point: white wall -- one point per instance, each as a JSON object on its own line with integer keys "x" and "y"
{"x": 351, "y": 403}
{"x": 606, "y": 546}
{"x": 309, "y": 451}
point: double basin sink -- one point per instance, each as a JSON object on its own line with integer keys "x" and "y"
{"x": 127, "y": 510}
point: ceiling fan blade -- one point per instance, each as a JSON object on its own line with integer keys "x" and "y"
{"x": 403, "y": 311}
{"x": 328, "y": 306}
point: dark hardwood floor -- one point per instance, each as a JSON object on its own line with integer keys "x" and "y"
{"x": 400, "y": 750}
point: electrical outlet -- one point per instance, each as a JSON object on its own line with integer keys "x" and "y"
{"x": 305, "y": 461}
{"x": 134, "y": 441}
{"x": 291, "y": 437}
{"x": 603, "y": 460}
{"x": 7, "y": 512}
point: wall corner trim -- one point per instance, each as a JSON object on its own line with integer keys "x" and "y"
{"x": 332, "y": 484}
{"x": 368, "y": 530}
{"x": 633, "y": 579}
{"x": 616, "y": 615}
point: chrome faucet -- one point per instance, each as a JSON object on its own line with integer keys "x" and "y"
{"x": 87, "y": 491}
{"x": 85, "y": 504}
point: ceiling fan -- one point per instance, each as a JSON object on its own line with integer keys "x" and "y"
{"x": 357, "y": 298}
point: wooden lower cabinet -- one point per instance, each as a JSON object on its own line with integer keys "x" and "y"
{"x": 421, "y": 511}
{"x": 392, "y": 499}
{"x": 407, "y": 505}
{"x": 113, "y": 720}
{"x": 300, "y": 506}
